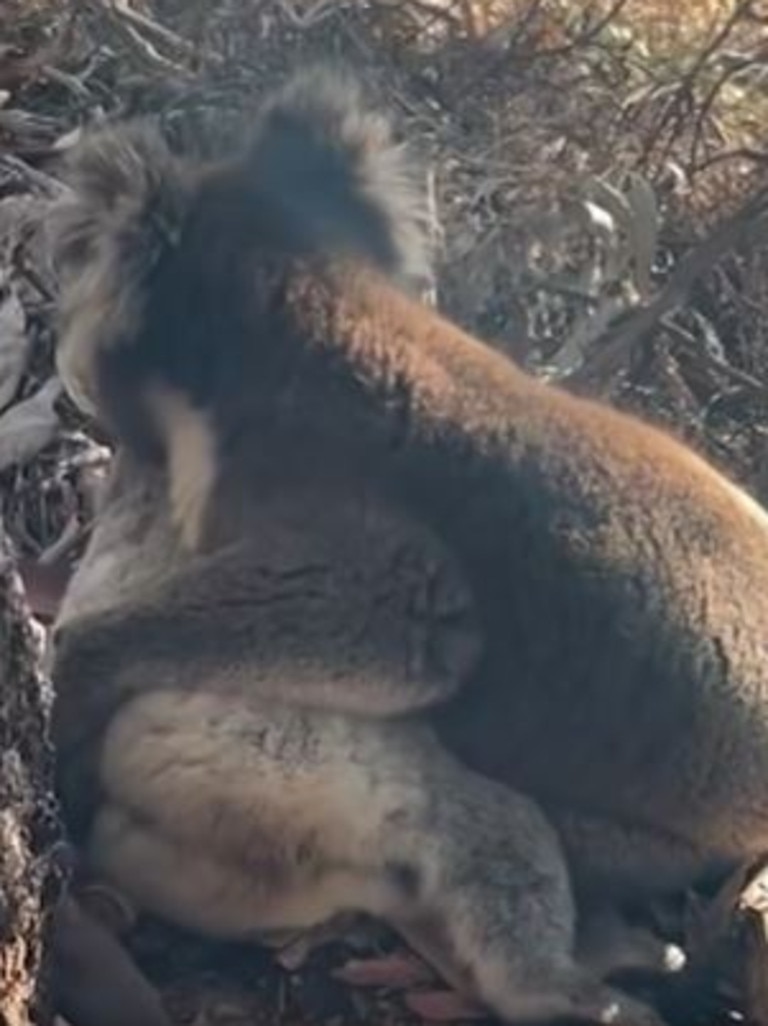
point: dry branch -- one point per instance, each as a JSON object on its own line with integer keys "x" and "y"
{"x": 616, "y": 350}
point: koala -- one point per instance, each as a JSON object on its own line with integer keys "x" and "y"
{"x": 254, "y": 343}
{"x": 252, "y": 314}
{"x": 338, "y": 618}
{"x": 231, "y": 792}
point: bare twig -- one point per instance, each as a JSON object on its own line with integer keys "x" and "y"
{"x": 132, "y": 36}
{"x": 745, "y": 153}
{"x": 683, "y": 103}
{"x": 589, "y": 35}
{"x": 317, "y": 11}
{"x": 40, "y": 181}
{"x": 740, "y": 377}
{"x": 619, "y": 343}
{"x": 499, "y": 42}
{"x": 753, "y": 60}
{"x": 143, "y": 23}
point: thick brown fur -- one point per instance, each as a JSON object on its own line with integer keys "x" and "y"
{"x": 617, "y": 582}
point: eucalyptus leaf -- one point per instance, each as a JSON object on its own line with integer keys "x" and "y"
{"x": 14, "y": 345}
{"x": 644, "y": 230}
{"x": 29, "y": 426}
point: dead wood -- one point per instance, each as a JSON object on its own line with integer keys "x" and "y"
{"x": 28, "y": 829}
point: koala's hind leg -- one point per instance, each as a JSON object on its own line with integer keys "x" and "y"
{"x": 236, "y": 818}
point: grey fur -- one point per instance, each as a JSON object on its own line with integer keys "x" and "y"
{"x": 126, "y": 204}
{"x": 322, "y": 151}
{"x": 253, "y": 787}
{"x": 320, "y": 160}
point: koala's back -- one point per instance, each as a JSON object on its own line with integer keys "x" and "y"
{"x": 621, "y": 582}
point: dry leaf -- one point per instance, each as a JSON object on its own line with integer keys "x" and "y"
{"x": 44, "y": 587}
{"x": 14, "y": 345}
{"x": 29, "y": 426}
{"x": 67, "y": 140}
{"x": 644, "y": 230}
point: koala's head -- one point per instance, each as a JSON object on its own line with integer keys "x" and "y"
{"x": 144, "y": 232}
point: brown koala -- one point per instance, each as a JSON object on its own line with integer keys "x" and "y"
{"x": 263, "y": 782}
{"x": 292, "y": 422}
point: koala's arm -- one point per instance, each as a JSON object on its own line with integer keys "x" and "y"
{"x": 322, "y": 634}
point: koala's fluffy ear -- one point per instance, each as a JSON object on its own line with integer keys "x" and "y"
{"x": 125, "y": 207}
{"x": 331, "y": 165}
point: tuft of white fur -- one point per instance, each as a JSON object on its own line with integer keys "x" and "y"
{"x": 125, "y": 204}
{"x": 324, "y": 153}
